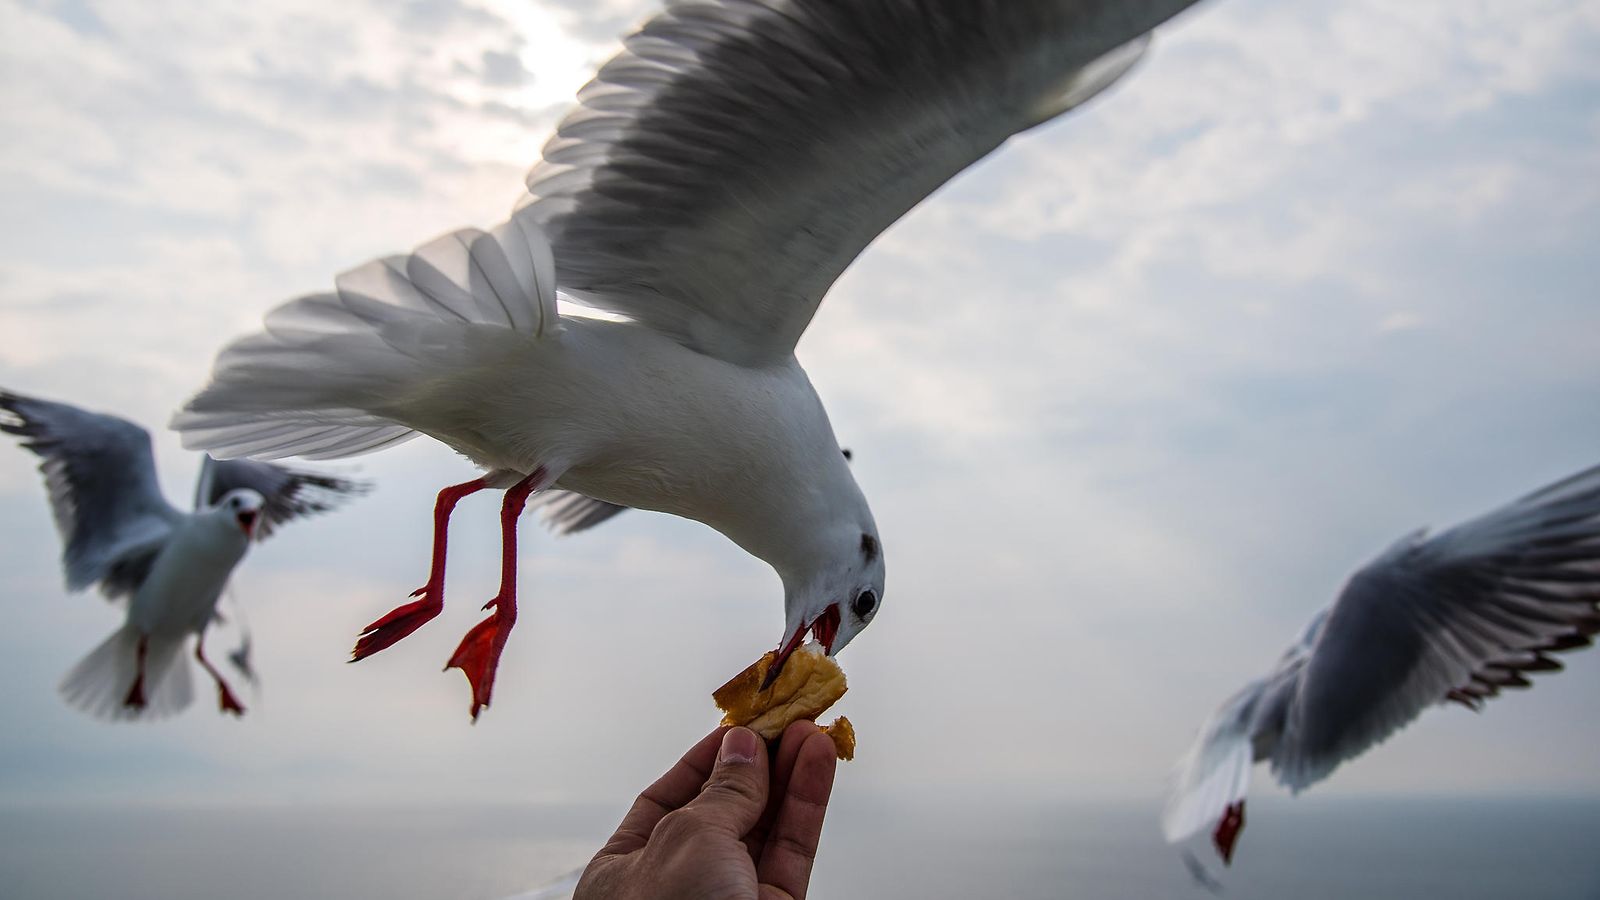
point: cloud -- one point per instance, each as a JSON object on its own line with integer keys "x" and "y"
{"x": 1129, "y": 399}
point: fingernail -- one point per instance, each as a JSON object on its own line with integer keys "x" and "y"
{"x": 738, "y": 746}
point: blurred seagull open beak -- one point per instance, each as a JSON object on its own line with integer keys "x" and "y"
{"x": 247, "y": 522}
{"x": 825, "y": 628}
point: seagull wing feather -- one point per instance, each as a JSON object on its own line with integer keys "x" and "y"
{"x": 724, "y": 169}
{"x": 289, "y": 492}
{"x": 1458, "y": 617}
{"x": 104, "y": 494}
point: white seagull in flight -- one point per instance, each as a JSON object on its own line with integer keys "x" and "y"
{"x": 1456, "y": 617}
{"x": 715, "y": 179}
{"x": 118, "y": 531}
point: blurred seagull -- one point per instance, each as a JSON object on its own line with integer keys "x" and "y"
{"x": 121, "y": 533}
{"x": 716, "y": 178}
{"x": 1456, "y": 617}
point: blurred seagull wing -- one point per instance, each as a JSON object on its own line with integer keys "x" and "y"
{"x": 1215, "y": 773}
{"x": 289, "y": 492}
{"x": 1457, "y": 617}
{"x": 104, "y": 494}
{"x": 724, "y": 169}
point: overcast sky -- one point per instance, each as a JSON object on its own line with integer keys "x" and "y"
{"x": 1129, "y": 399}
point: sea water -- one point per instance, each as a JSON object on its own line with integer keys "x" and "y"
{"x": 874, "y": 847}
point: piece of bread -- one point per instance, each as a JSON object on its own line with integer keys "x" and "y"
{"x": 844, "y": 738}
{"x": 809, "y": 683}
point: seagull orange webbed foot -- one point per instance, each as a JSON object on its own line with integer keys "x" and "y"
{"x": 400, "y": 621}
{"x": 478, "y": 655}
{"x": 227, "y": 702}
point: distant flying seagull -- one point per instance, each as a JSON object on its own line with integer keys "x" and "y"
{"x": 716, "y": 178}
{"x": 1452, "y": 618}
{"x": 120, "y": 532}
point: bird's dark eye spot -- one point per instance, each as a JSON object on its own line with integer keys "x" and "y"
{"x": 847, "y": 454}
{"x": 869, "y": 547}
{"x": 864, "y": 605}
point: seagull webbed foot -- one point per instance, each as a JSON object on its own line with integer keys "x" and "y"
{"x": 400, "y": 622}
{"x": 478, "y": 656}
{"x": 1227, "y": 832}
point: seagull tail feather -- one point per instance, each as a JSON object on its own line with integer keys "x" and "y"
{"x": 1214, "y": 775}
{"x": 102, "y": 683}
{"x": 323, "y": 378}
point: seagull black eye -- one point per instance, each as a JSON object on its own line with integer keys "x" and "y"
{"x": 865, "y": 605}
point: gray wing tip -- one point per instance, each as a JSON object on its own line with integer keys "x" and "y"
{"x": 567, "y": 512}
{"x": 15, "y": 420}
{"x": 289, "y": 491}
{"x": 1511, "y": 672}
{"x": 27, "y": 418}
{"x": 52, "y": 420}
{"x": 307, "y": 493}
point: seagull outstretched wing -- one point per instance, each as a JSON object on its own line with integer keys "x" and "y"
{"x": 1457, "y": 617}
{"x": 724, "y": 169}
{"x": 289, "y": 492}
{"x": 104, "y": 494}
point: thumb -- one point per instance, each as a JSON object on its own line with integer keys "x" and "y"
{"x": 735, "y": 794}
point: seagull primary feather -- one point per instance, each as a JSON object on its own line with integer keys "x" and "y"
{"x": 119, "y": 531}
{"x": 1453, "y": 618}
{"x": 715, "y": 179}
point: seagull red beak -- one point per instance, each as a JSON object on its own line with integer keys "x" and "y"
{"x": 825, "y": 628}
{"x": 247, "y": 522}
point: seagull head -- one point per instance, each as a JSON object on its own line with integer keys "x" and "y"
{"x": 835, "y": 600}
{"x": 242, "y": 506}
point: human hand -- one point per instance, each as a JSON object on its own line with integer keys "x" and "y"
{"x": 720, "y": 825}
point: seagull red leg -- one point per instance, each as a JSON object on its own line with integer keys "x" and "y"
{"x": 478, "y": 656}
{"x": 1227, "y": 832}
{"x": 408, "y": 617}
{"x": 225, "y": 699}
{"x": 135, "y": 698}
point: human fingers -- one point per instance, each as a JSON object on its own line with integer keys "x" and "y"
{"x": 735, "y": 793}
{"x": 681, "y": 784}
{"x": 788, "y": 750}
{"x": 791, "y": 845}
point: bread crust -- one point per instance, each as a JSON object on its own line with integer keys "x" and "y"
{"x": 844, "y": 738}
{"x": 811, "y": 681}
